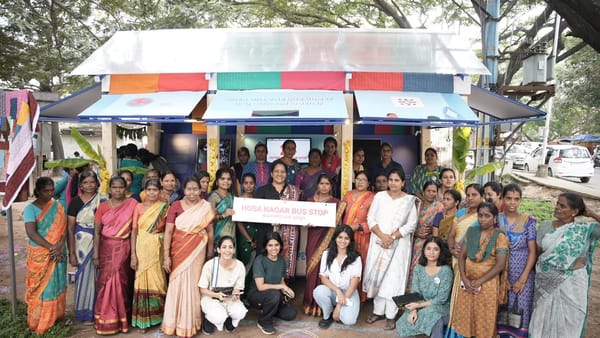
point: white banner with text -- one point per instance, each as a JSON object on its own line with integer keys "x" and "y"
{"x": 260, "y": 210}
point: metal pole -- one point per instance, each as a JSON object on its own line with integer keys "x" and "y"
{"x": 13, "y": 270}
{"x": 542, "y": 170}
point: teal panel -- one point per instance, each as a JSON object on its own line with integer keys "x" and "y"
{"x": 249, "y": 80}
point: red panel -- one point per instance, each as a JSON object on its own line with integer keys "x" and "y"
{"x": 251, "y": 130}
{"x": 383, "y": 129}
{"x": 177, "y": 82}
{"x": 313, "y": 80}
{"x": 377, "y": 81}
{"x": 327, "y": 129}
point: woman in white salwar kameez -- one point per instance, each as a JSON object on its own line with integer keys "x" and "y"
{"x": 392, "y": 219}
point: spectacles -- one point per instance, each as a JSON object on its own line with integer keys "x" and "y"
{"x": 361, "y": 180}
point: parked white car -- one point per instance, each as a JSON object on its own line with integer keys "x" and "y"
{"x": 564, "y": 161}
{"x": 518, "y": 156}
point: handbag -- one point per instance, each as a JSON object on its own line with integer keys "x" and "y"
{"x": 226, "y": 290}
{"x": 511, "y": 315}
{"x": 408, "y": 298}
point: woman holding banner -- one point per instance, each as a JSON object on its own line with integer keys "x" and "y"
{"x": 278, "y": 189}
{"x": 318, "y": 239}
{"x": 221, "y": 199}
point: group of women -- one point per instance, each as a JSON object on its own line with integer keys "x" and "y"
{"x": 182, "y": 262}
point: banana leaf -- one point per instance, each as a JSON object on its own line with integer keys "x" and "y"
{"x": 484, "y": 169}
{"x": 135, "y": 170}
{"x": 68, "y": 163}
{"x": 460, "y": 148}
{"x": 87, "y": 148}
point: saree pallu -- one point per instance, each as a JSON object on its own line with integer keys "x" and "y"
{"x": 474, "y": 315}
{"x": 86, "y": 274}
{"x": 290, "y": 235}
{"x": 445, "y": 226}
{"x": 226, "y": 226}
{"x": 182, "y": 315}
{"x": 562, "y": 279}
{"x": 46, "y": 279}
{"x": 356, "y": 213}
{"x": 463, "y": 222}
{"x": 150, "y": 285}
{"x": 426, "y": 216}
{"x": 114, "y": 283}
{"x": 317, "y": 241}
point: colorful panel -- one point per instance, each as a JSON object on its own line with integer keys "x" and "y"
{"x": 313, "y": 80}
{"x": 178, "y": 82}
{"x": 133, "y": 83}
{"x": 432, "y": 83}
{"x": 377, "y": 81}
{"x": 249, "y": 80}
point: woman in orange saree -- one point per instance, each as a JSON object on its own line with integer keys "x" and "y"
{"x": 112, "y": 248}
{"x": 188, "y": 240}
{"x": 46, "y": 280}
{"x": 358, "y": 202}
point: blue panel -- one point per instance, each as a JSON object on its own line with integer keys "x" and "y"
{"x": 176, "y": 128}
{"x": 180, "y": 151}
{"x": 277, "y": 108}
{"x": 413, "y": 108}
{"x": 145, "y": 107}
{"x": 430, "y": 83}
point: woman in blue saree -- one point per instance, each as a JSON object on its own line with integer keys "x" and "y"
{"x": 80, "y": 221}
{"x": 221, "y": 199}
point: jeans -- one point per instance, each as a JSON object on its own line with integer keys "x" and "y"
{"x": 271, "y": 304}
{"x": 325, "y": 297}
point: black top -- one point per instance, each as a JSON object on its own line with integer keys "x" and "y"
{"x": 269, "y": 192}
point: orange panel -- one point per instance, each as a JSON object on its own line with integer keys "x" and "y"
{"x": 133, "y": 83}
{"x": 199, "y": 128}
{"x": 377, "y": 81}
{"x": 177, "y": 82}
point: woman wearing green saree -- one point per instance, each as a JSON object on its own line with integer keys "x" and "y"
{"x": 566, "y": 247}
{"x": 221, "y": 199}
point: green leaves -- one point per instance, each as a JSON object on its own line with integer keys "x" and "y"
{"x": 460, "y": 148}
{"x": 67, "y": 163}
{"x": 484, "y": 169}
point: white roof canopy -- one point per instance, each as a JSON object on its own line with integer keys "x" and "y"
{"x": 282, "y": 49}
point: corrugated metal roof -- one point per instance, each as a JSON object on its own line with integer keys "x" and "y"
{"x": 282, "y": 49}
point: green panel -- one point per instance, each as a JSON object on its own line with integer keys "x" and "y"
{"x": 249, "y": 80}
{"x": 283, "y": 130}
{"x": 400, "y": 130}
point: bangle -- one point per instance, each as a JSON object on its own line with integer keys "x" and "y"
{"x": 393, "y": 236}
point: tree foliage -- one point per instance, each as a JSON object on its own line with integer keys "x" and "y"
{"x": 577, "y": 108}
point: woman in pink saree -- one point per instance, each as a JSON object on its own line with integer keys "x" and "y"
{"x": 188, "y": 241}
{"x": 112, "y": 249}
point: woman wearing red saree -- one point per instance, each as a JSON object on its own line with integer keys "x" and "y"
{"x": 46, "y": 280}
{"x": 358, "y": 202}
{"x": 317, "y": 240}
{"x": 188, "y": 240}
{"x": 112, "y": 249}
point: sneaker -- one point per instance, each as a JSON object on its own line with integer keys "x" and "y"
{"x": 207, "y": 327}
{"x": 325, "y": 323}
{"x": 267, "y": 329}
{"x": 229, "y": 325}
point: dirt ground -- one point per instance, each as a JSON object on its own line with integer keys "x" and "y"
{"x": 304, "y": 326}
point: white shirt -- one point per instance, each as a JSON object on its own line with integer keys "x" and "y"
{"x": 334, "y": 273}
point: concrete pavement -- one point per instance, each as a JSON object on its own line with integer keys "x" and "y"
{"x": 559, "y": 183}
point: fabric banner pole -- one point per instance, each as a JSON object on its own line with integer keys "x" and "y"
{"x": 13, "y": 270}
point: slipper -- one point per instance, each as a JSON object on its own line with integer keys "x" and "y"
{"x": 68, "y": 322}
{"x": 375, "y": 318}
{"x": 390, "y": 324}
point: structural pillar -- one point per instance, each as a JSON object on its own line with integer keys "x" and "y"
{"x": 109, "y": 146}
{"x": 347, "y": 135}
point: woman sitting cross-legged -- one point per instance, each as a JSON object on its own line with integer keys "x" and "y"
{"x": 221, "y": 284}
{"x": 268, "y": 288}
{"x": 433, "y": 280}
{"x": 341, "y": 268}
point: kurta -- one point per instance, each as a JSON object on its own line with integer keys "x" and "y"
{"x": 386, "y": 270}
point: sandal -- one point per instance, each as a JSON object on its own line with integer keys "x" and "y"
{"x": 375, "y": 318}
{"x": 390, "y": 324}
